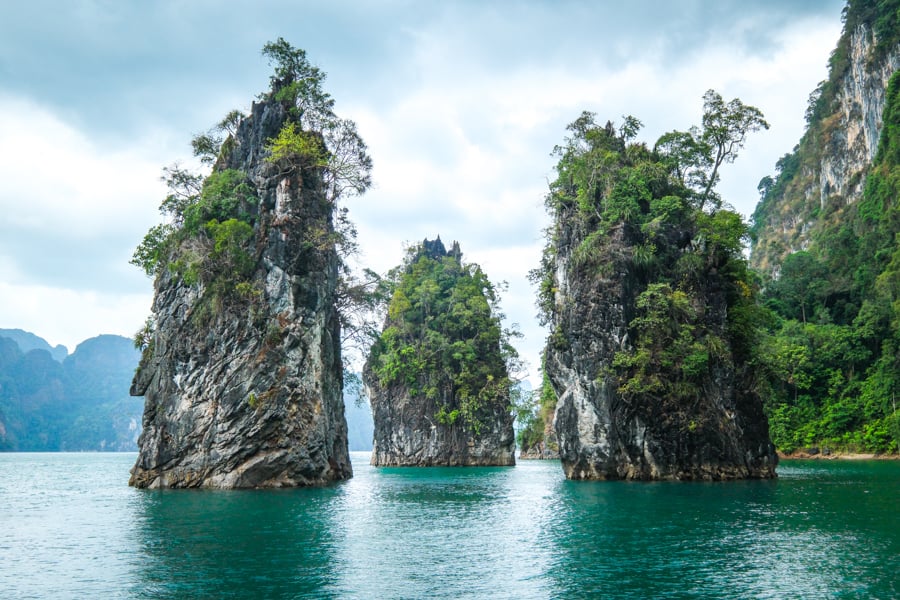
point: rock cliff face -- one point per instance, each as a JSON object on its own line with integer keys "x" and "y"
{"x": 546, "y": 448}
{"x": 827, "y": 169}
{"x": 652, "y": 310}
{"x": 539, "y": 451}
{"x": 408, "y": 435}
{"x": 248, "y": 392}
{"x": 604, "y": 434}
{"x": 437, "y": 382}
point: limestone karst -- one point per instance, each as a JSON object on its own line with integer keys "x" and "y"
{"x": 438, "y": 376}
{"x": 242, "y": 371}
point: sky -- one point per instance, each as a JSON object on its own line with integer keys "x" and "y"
{"x": 460, "y": 103}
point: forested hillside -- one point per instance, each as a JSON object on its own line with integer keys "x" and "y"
{"x": 81, "y": 403}
{"x": 825, "y": 240}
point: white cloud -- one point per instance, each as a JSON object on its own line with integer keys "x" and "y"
{"x": 460, "y": 125}
{"x": 68, "y": 317}
{"x": 465, "y": 154}
{"x": 57, "y": 180}
{"x": 72, "y": 214}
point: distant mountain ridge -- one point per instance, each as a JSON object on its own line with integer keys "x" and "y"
{"x": 28, "y": 341}
{"x": 53, "y": 401}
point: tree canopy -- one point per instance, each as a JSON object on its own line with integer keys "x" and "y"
{"x": 443, "y": 338}
{"x": 210, "y": 220}
{"x": 315, "y": 133}
{"x": 652, "y": 216}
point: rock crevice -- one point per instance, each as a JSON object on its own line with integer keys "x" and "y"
{"x": 245, "y": 389}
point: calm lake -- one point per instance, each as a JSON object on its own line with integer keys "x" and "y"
{"x": 70, "y": 527}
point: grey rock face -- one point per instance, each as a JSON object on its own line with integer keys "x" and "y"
{"x": 861, "y": 104}
{"x": 836, "y": 175}
{"x": 601, "y": 434}
{"x": 251, "y": 396}
{"x": 407, "y": 434}
{"x": 539, "y": 452}
{"x": 407, "y": 429}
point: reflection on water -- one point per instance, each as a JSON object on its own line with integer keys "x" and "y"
{"x": 216, "y": 544}
{"x": 71, "y": 528}
{"x": 445, "y": 532}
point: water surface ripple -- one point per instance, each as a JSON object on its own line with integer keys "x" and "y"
{"x": 71, "y": 528}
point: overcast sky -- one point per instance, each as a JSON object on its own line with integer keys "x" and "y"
{"x": 460, "y": 103}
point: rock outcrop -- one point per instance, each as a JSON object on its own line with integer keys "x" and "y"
{"x": 244, "y": 389}
{"x": 437, "y": 380}
{"x": 827, "y": 169}
{"x": 651, "y": 312}
{"x": 539, "y": 451}
{"x": 603, "y": 433}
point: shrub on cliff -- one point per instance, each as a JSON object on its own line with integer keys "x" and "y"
{"x": 443, "y": 338}
{"x": 208, "y": 236}
{"x": 652, "y": 216}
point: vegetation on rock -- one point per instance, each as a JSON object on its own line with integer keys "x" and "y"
{"x": 651, "y": 303}
{"x": 660, "y": 208}
{"x": 534, "y": 414}
{"x": 834, "y": 330}
{"x": 209, "y": 236}
{"x": 242, "y": 361}
{"x": 443, "y": 339}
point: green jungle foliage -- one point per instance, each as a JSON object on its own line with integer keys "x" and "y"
{"x": 535, "y": 417}
{"x": 834, "y": 335}
{"x": 443, "y": 338}
{"x": 208, "y": 238}
{"x": 314, "y": 137}
{"x": 834, "y": 347}
{"x": 657, "y": 211}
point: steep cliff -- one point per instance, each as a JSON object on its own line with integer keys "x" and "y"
{"x": 826, "y": 171}
{"x": 652, "y": 345}
{"x": 825, "y": 239}
{"x": 241, "y": 369}
{"x": 437, "y": 377}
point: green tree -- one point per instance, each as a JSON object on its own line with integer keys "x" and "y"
{"x": 316, "y": 135}
{"x": 208, "y": 236}
{"x": 801, "y": 287}
{"x": 725, "y": 129}
{"x": 444, "y": 340}
{"x": 697, "y": 154}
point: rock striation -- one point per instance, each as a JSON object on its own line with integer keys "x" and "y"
{"x": 247, "y": 392}
{"x": 827, "y": 169}
{"x": 436, "y": 378}
{"x": 720, "y": 433}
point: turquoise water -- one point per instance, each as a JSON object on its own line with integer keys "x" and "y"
{"x": 71, "y": 528}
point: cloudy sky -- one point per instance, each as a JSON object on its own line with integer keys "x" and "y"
{"x": 461, "y": 103}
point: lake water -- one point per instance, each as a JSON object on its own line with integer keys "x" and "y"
{"x": 70, "y": 527}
